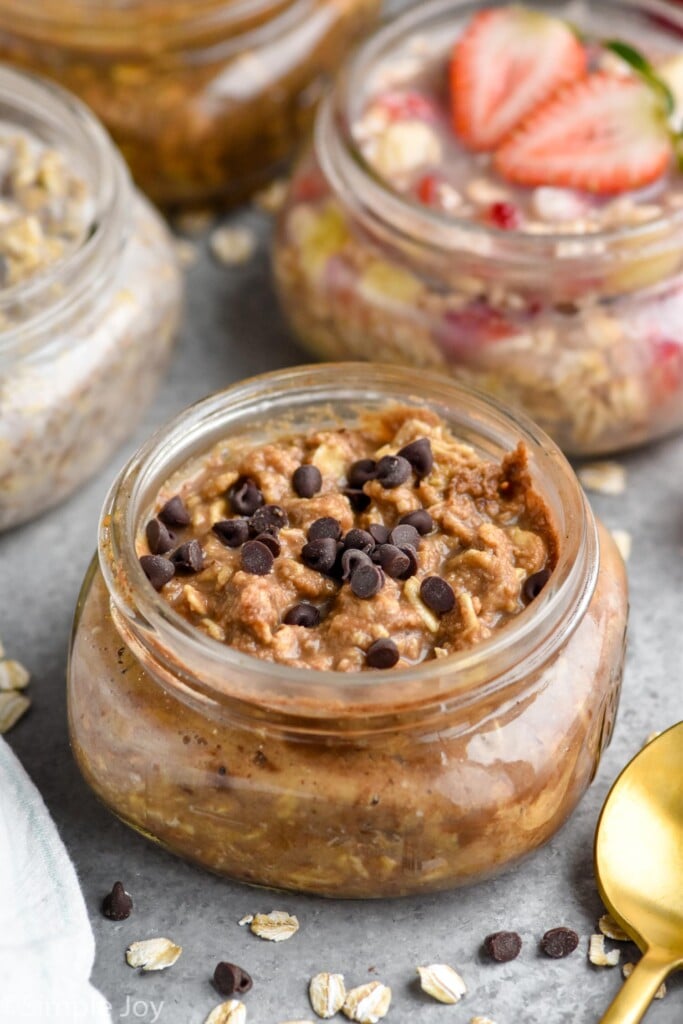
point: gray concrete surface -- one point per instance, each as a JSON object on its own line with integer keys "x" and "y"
{"x": 233, "y": 329}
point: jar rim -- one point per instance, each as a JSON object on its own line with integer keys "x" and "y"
{"x": 515, "y": 650}
{"x": 45, "y": 110}
{"x": 352, "y": 176}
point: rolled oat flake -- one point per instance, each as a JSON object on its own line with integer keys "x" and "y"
{"x": 559, "y": 942}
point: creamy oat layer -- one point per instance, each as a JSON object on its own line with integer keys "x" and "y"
{"x": 381, "y": 545}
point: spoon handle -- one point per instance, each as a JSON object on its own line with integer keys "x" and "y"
{"x": 638, "y": 991}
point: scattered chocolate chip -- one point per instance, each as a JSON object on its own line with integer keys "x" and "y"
{"x": 351, "y": 560}
{"x": 117, "y": 904}
{"x": 307, "y": 481}
{"x": 379, "y": 533}
{"x": 393, "y": 470}
{"x": 320, "y": 554}
{"x": 367, "y": 581}
{"x": 157, "y": 569}
{"x": 394, "y": 562}
{"x": 503, "y": 946}
{"x": 159, "y": 537}
{"x": 382, "y": 654}
{"x": 302, "y": 615}
{"x": 244, "y": 496}
{"x": 257, "y": 559}
{"x": 230, "y": 979}
{"x": 188, "y": 558}
{"x": 420, "y": 456}
{"x": 405, "y": 534}
{"x": 420, "y": 519}
{"x": 325, "y": 527}
{"x": 358, "y": 500}
{"x": 268, "y": 519}
{"x": 533, "y": 585}
{"x": 437, "y": 594}
{"x": 232, "y": 532}
{"x": 360, "y": 472}
{"x": 174, "y": 512}
{"x": 271, "y": 541}
{"x": 360, "y": 539}
{"x": 559, "y": 942}
{"x": 410, "y": 551}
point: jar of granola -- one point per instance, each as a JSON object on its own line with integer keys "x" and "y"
{"x": 204, "y": 99}
{"x": 417, "y": 710}
{"x": 530, "y": 244}
{"x": 89, "y": 297}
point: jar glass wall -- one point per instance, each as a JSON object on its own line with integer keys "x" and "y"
{"x": 345, "y": 783}
{"x": 205, "y": 100}
{"x": 583, "y": 331}
{"x": 84, "y": 337}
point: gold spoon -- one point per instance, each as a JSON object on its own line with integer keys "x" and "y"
{"x": 639, "y": 867}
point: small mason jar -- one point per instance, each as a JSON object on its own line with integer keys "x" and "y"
{"x": 205, "y": 99}
{"x": 583, "y": 332}
{"x": 84, "y": 339}
{"x": 353, "y": 784}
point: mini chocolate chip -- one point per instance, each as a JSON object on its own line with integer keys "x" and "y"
{"x": 325, "y": 527}
{"x": 302, "y": 615}
{"x": 382, "y": 654}
{"x": 232, "y": 532}
{"x": 367, "y": 581}
{"x": 117, "y": 904}
{"x": 437, "y": 594}
{"x": 230, "y": 979}
{"x": 351, "y": 560}
{"x": 244, "y": 496}
{"x": 320, "y": 554}
{"x": 257, "y": 559}
{"x": 379, "y": 533}
{"x": 533, "y": 585}
{"x": 174, "y": 512}
{"x": 503, "y": 946}
{"x": 420, "y": 456}
{"x": 393, "y": 470}
{"x": 360, "y": 539}
{"x": 405, "y": 534}
{"x": 157, "y": 569}
{"x": 420, "y": 519}
{"x": 307, "y": 481}
{"x": 358, "y": 500}
{"x": 559, "y": 942}
{"x": 360, "y": 472}
{"x": 159, "y": 537}
{"x": 410, "y": 551}
{"x": 268, "y": 519}
{"x": 271, "y": 541}
{"x": 188, "y": 558}
{"x": 394, "y": 562}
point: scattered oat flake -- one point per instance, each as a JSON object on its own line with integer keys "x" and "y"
{"x": 627, "y": 971}
{"x": 442, "y": 982}
{"x": 609, "y": 927}
{"x": 247, "y": 919}
{"x": 230, "y": 1012}
{"x": 624, "y": 542}
{"x": 603, "y": 477}
{"x": 368, "y": 1003}
{"x": 272, "y": 198}
{"x": 13, "y": 675}
{"x": 481, "y": 1020}
{"x": 652, "y": 736}
{"x": 12, "y": 706}
{"x": 232, "y": 246}
{"x": 598, "y": 955}
{"x": 194, "y": 222}
{"x": 327, "y": 993}
{"x": 153, "y": 954}
{"x": 186, "y": 252}
{"x": 276, "y": 926}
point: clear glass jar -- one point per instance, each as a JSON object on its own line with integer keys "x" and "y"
{"x": 205, "y": 99}
{"x": 345, "y": 784}
{"x": 582, "y": 332}
{"x": 83, "y": 342}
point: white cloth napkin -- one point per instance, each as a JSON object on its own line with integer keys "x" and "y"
{"x": 46, "y": 943}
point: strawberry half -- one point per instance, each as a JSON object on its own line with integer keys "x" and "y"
{"x": 508, "y": 60}
{"x": 604, "y": 134}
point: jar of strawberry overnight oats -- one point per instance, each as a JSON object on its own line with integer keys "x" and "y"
{"x": 528, "y": 241}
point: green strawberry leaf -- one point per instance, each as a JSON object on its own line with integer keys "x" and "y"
{"x": 643, "y": 67}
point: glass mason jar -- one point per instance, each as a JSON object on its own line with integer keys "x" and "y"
{"x": 204, "y": 99}
{"x": 84, "y": 341}
{"x": 582, "y": 332}
{"x": 345, "y": 784}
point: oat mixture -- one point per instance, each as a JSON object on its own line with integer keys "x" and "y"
{"x": 381, "y": 545}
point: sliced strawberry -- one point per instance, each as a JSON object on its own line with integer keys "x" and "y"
{"x": 508, "y": 61}
{"x": 667, "y": 367}
{"x": 463, "y": 333}
{"x": 505, "y": 216}
{"x": 605, "y": 134}
{"x": 408, "y": 105}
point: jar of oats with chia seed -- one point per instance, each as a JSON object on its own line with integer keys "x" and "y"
{"x": 90, "y": 295}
